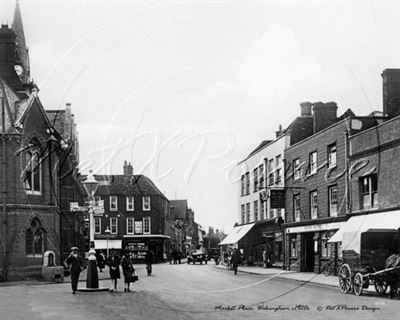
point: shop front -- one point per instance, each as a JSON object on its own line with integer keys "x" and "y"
{"x": 309, "y": 249}
{"x": 139, "y": 244}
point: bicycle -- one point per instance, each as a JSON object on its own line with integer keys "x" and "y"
{"x": 327, "y": 270}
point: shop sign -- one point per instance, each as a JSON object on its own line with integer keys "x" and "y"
{"x": 277, "y": 198}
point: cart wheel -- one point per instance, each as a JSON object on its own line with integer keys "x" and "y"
{"x": 380, "y": 286}
{"x": 358, "y": 284}
{"x": 345, "y": 278}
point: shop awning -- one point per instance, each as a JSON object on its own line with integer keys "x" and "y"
{"x": 112, "y": 244}
{"x": 237, "y": 233}
{"x": 352, "y": 229}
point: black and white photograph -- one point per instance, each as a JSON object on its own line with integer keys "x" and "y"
{"x": 199, "y": 159}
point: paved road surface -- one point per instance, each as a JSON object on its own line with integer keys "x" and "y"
{"x": 194, "y": 292}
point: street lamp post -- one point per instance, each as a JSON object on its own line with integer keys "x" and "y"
{"x": 107, "y": 232}
{"x": 92, "y": 279}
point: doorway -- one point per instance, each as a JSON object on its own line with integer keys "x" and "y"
{"x": 308, "y": 250}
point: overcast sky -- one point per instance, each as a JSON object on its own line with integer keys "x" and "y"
{"x": 186, "y": 89}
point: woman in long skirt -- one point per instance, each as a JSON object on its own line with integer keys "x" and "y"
{"x": 128, "y": 270}
{"x": 113, "y": 262}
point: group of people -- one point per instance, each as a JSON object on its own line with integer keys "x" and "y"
{"x": 76, "y": 264}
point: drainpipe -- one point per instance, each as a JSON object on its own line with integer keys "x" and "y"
{"x": 4, "y": 187}
{"x": 347, "y": 177}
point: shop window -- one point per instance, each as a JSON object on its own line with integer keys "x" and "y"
{"x": 114, "y": 225}
{"x": 35, "y": 239}
{"x": 332, "y": 155}
{"x": 325, "y": 252}
{"x": 146, "y": 225}
{"x": 293, "y": 246}
{"x": 97, "y": 225}
{"x": 333, "y": 201}
{"x": 129, "y": 225}
{"x": 296, "y": 207}
{"x": 255, "y": 177}
{"x": 369, "y": 191}
{"x": 129, "y": 203}
{"x": 314, "y": 204}
{"x": 33, "y": 173}
{"x": 113, "y": 203}
{"x": 146, "y": 203}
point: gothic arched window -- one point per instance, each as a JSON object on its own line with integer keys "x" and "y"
{"x": 35, "y": 239}
{"x": 33, "y": 173}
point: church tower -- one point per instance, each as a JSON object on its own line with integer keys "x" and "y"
{"x": 22, "y": 66}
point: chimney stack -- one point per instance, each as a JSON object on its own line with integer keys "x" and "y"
{"x": 279, "y": 132}
{"x": 391, "y": 92}
{"x": 128, "y": 169}
{"x": 324, "y": 115}
{"x": 305, "y": 109}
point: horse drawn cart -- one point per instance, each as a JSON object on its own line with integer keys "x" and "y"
{"x": 364, "y": 261}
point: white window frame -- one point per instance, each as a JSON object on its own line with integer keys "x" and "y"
{"x": 127, "y": 225}
{"x": 255, "y": 180}
{"x": 262, "y": 210}
{"x": 146, "y": 206}
{"x": 247, "y": 212}
{"x": 313, "y": 162}
{"x": 30, "y": 166}
{"x": 146, "y": 219}
{"x": 368, "y": 199}
{"x": 314, "y": 204}
{"x": 243, "y": 210}
{"x": 97, "y": 225}
{"x": 332, "y": 155}
{"x": 130, "y": 206}
{"x": 333, "y": 201}
{"x": 112, "y": 202}
{"x": 112, "y": 225}
{"x": 296, "y": 207}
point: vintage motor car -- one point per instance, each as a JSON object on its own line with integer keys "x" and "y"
{"x": 197, "y": 256}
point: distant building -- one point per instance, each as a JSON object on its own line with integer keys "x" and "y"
{"x": 135, "y": 212}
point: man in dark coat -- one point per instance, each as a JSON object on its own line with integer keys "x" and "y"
{"x": 235, "y": 260}
{"x": 75, "y": 262}
{"x": 149, "y": 260}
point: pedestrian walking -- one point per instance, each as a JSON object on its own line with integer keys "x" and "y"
{"x": 149, "y": 260}
{"x": 235, "y": 260}
{"x": 113, "y": 263}
{"x": 101, "y": 260}
{"x": 265, "y": 258}
{"x": 128, "y": 270}
{"x": 75, "y": 264}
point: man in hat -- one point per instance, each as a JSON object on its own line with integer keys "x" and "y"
{"x": 75, "y": 263}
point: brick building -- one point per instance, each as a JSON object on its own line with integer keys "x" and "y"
{"x": 374, "y": 175}
{"x": 136, "y": 213}
{"x": 317, "y": 201}
{"x": 35, "y": 154}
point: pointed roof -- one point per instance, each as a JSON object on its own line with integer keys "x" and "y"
{"x": 23, "y": 52}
